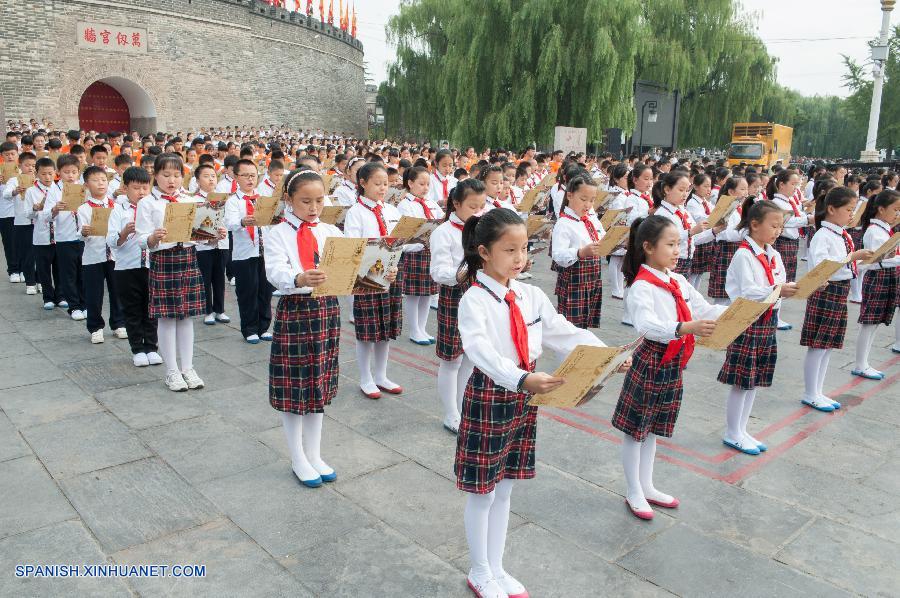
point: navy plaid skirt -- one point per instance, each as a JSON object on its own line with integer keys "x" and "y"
{"x": 416, "y": 275}
{"x": 496, "y": 436}
{"x": 303, "y": 366}
{"x": 684, "y": 266}
{"x": 825, "y": 322}
{"x": 176, "y": 285}
{"x": 704, "y": 258}
{"x": 378, "y": 316}
{"x": 725, "y": 250}
{"x": 579, "y": 292}
{"x": 651, "y": 395}
{"x": 881, "y": 296}
{"x": 750, "y": 359}
{"x": 788, "y": 248}
{"x": 449, "y": 344}
{"x": 857, "y": 235}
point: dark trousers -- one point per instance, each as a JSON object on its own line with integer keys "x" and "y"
{"x": 68, "y": 258}
{"x": 47, "y": 272}
{"x": 254, "y": 295}
{"x": 94, "y": 276}
{"x": 212, "y": 266}
{"x": 9, "y": 245}
{"x": 24, "y": 233}
{"x": 229, "y": 271}
{"x": 134, "y": 297}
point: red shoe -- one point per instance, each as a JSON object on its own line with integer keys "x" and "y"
{"x": 391, "y": 391}
{"x": 667, "y": 505}
{"x": 370, "y": 395}
{"x": 645, "y": 515}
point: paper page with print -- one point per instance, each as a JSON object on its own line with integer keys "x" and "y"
{"x": 886, "y": 248}
{"x": 340, "y": 260}
{"x": 725, "y": 205}
{"x": 179, "y": 221}
{"x": 739, "y": 316}
{"x": 100, "y": 221}
{"x": 817, "y": 277}
{"x": 614, "y": 238}
{"x": 379, "y": 259}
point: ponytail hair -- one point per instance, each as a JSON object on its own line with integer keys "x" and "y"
{"x": 365, "y": 172}
{"x": 575, "y": 183}
{"x": 821, "y": 189}
{"x": 756, "y": 211}
{"x": 636, "y": 171}
{"x": 667, "y": 181}
{"x": 781, "y": 178}
{"x": 617, "y": 172}
{"x": 837, "y": 197}
{"x": 869, "y": 187}
{"x": 730, "y": 185}
{"x": 484, "y": 230}
{"x": 411, "y": 174}
{"x": 459, "y": 193}
{"x": 882, "y": 200}
{"x": 643, "y": 230}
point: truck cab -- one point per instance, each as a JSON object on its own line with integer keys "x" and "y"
{"x": 761, "y": 144}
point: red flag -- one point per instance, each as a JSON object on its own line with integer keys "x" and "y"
{"x": 331, "y": 12}
{"x": 309, "y": 8}
{"x": 353, "y": 30}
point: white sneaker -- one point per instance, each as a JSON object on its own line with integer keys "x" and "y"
{"x": 96, "y": 336}
{"x": 40, "y": 289}
{"x": 49, "y": 305}
{"x": 266, "y": 336}
{"x": 223, "y": 317}
{"x": 79, "y": 315}
{"x": 30, "y": 291}
{"x": 154, "y": 358}
{"x": 140, "y": 360}
{"x": 485, "y": 588}
{"x": 192, "y": 379}
{"x": 510, "y": 585}
{"x": 14, "y": 277}
{"x": 232, "y": 282}
{"x": 253, "y": 339}
{"x": 63, "y": 304}
{"x": 210, "y": 319}
{"x": 176, "y": 382}
{"x": 120, "y": 333}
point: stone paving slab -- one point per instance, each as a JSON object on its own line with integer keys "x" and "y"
{"x": 29, "y": 498}
{"x": 46, "y": 402}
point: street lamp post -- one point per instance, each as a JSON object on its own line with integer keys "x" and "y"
{"x": 879, "y": 57}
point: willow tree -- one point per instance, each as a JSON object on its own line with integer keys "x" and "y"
{"x": 505, "y": 72}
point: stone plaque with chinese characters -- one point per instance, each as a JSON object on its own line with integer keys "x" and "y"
{"x": 113, "y": 38}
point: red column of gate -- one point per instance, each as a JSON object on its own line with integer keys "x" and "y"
{"x": 103, "y": 109}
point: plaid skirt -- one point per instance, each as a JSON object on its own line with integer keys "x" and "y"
{"x": 416, "y": 275}
{"x": 704, "y": 258}
{"x": 825, "y": 321}
{"x": 579, "y": 292}
{"x": 378, "y": 316}
{"x": 725, "y": 250}
{"x": 683, "y": 266}
{"x": 881, "y": 296}
{"x": 496, "y": 436}
{"x": 303, "y": 366}
{"x": 788, "y": 248}
{"x": 750, "y": 359}
{"x": 176, "y": 285}
{"x": 651, "y": 395}
{"x": 857, "y": 235}
{"x": 449, "y": 344}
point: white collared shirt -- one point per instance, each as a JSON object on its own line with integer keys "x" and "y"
{"x": 795, "y": 223}
{"x": 65, "y": 224}
{"x": 652, "y": 309}
{"x": 22, "y": 204}
{"x": 7, "y": 207}
{"x": 345, "y": 194}
{"x": 128, "y": 254}
{"x": 34, "y": 196}
{"x": 436, "y": 188}
{"x": 731, "y": 233}
{"x": 639, "y": 206}
{"x": 685, "y": 248}
{"x": 282, "y": 256}
{"x": 697, "y": 207}
{"x": 557, "y": 194}
{"x": 362, "y": 222}
{"x": 265, "y": 187}
{"x": 746, "y": 276}
{"x": 493, "y": 204}
{"x": 571, "y": 235}
{"x": 517, "y": 194}
{"x": 484, "y": 327}
{"x": 875, "y": 236}
{"x": 150, "y": 215}
{"x": 408, "y": 206}
{"x": 94, "y": 247}
{"x": 446, "y": 252}
{"x": 235, "y": 211}
{"x": 828, "y": 244}
{"x": 114, "y": 185}
{"x": 226, "y": 185}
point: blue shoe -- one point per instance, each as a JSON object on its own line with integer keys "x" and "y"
{"x": 253, "y": 339}
{"x": 432, "y": 340}
{"x": 63, "y": 305}
{"x": 266, "y": 336}
{"x": 869, "y": 376}
{"x": 329, "y": 477}
{"x": 835, "y": 404}
{"x": 49, "y": 306}
{"x": 825, "y": 407}
{"x": 762, "y": 447}
{"x": 313, "y": 483}
{"x": 895, "y": 350}
{"x": 423, "y": 343}
{"x": 748, "y": 450}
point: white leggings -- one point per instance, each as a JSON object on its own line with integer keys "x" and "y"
{"x": 176, "y": 343}
{"x": 487, "y": 519}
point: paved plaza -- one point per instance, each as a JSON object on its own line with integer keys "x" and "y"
{"x": 100, "y": 463}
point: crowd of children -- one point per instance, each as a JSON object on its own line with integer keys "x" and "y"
{"x": 491, "y": 325}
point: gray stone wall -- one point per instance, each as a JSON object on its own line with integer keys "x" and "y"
{"x": 209, "y": 63}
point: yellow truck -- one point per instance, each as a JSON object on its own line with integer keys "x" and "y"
{"x": 760, "y": 143}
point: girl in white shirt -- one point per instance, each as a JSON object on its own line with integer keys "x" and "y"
{"x": 492, "y": 177}
{"x": 176, "y": 286}
{"x": 669, "y": 312}
{"x": 211, "y": 258}
{"x": 377, "y": 315}
{"x": 441, "y": 182}
{"x": 466, "y": 200}
{"x": 881, "y": 288}
{"x": 416, "y": 283}
{"x": 504, "y": 325}
{"x": 576, "y": 247}
{"x": 303, "y": 367}
{"x": 618, "y": 177}
{"x": 669, "y": 195}
{"x": 825, "y": 321}
{"x": 755, "y": 270}
{"x": 727, "y": 241}
{"x": 699, "y": 207}
{"x": 782, "y": 190}
{"x": 346, "y": 192}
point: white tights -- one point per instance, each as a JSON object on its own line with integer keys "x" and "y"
{"x": 737, "y": 414}
{"x": 452, "y": 378}
{"x": 304, "y": 439}
{"x": 176, "y": 343}
{"x": 366, "y": 353}
{"x": 815, "y": 365}
{"x": 415, "y": 314}
{"x": 637, "y": 461}
{"x": 864, "y": 345}
{"x": 614, "y": 275}
{"x": 487, "y": 519}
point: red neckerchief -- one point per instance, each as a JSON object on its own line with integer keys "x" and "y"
{"x": 421, "y": 201}
{"x": 704, "y": 204}
{"x": 496, "y": 203}
{"x": 796, "y": 209}
{"x": 848, "y": 245}
{"x": 109, "y": 203}
{"x": 248, "y": 201}
{"x": 443, "y": 183}
{"x": 307, "y": 245}
{"x": 646, "y": 197}
{"x": 686, "y": 225}
{"x": 768, "y": 264}
{"x": 382, "y": 226}
{"x": 518, "y": 329}
{"x": 586, "y": 220}
{"x": 457, "y": 225}
{"x": 268, "y": 183}
{"x": 169, "y": 198}
{"x": 234, "y": 185}
{"x": 681, "y": 309}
